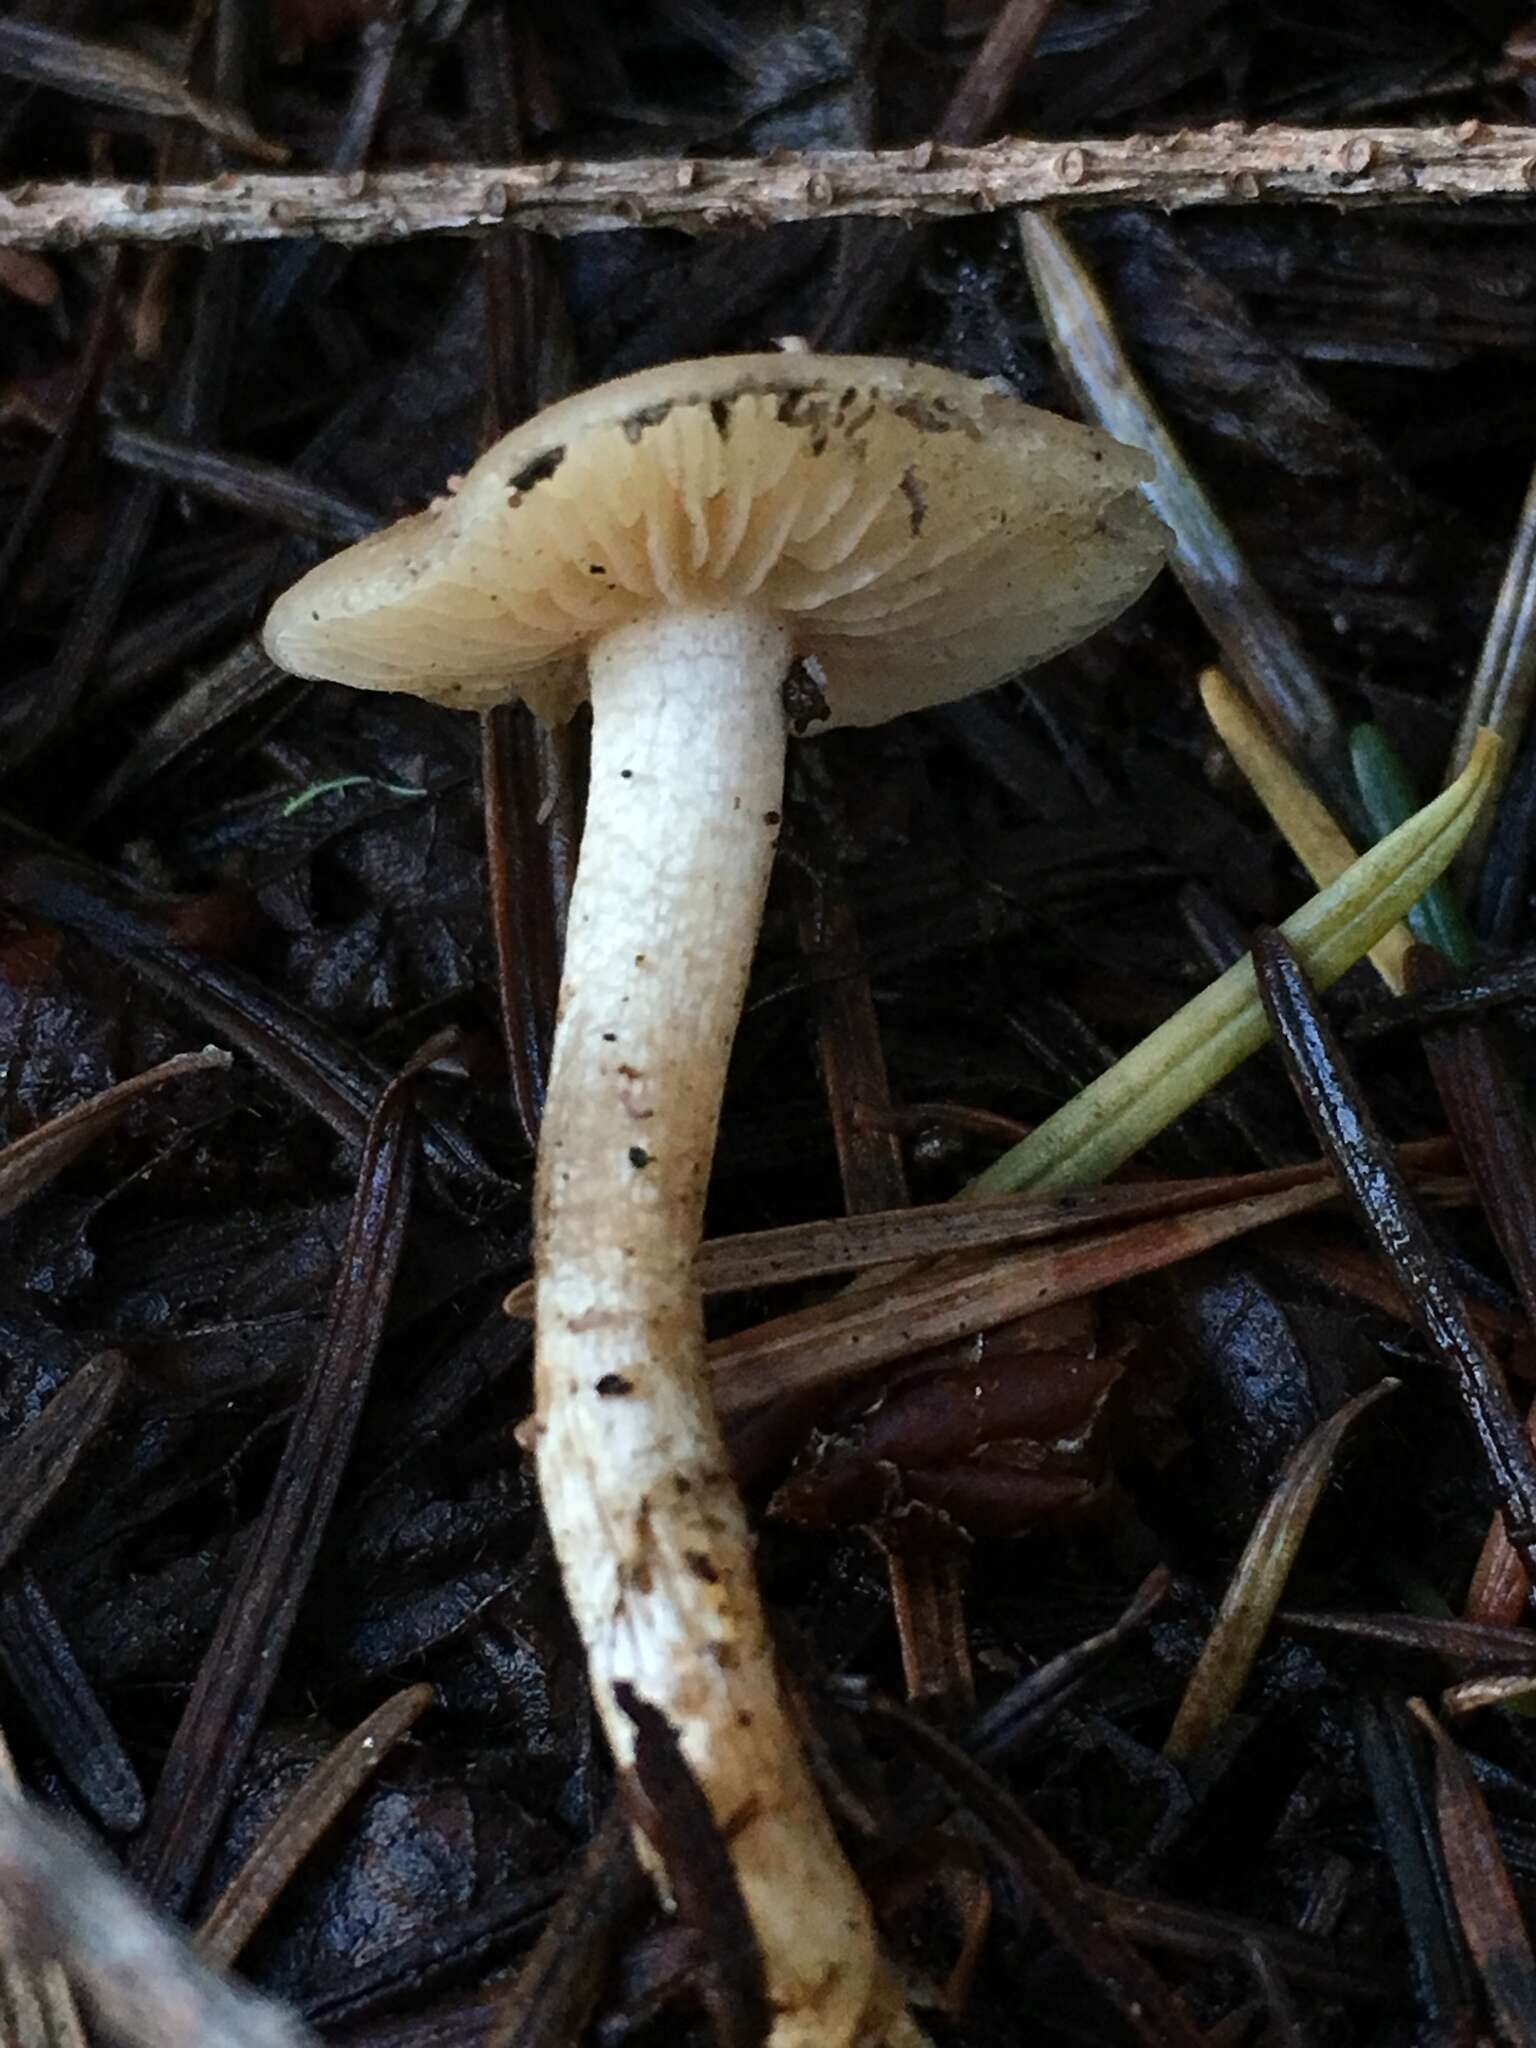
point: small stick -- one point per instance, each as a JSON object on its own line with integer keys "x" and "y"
{"x": 1228, "y": 165}
{"x": 1348, "y": 1135}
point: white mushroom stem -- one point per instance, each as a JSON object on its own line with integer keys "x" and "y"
{"x": 688, "y": 740}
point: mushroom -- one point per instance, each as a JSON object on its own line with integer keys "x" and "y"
{"x": 676, "y": 546}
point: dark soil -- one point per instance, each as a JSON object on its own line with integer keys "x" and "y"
{"x": 975, "y": 911}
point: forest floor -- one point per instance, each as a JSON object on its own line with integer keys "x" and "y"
{"x": 258, "y": 1393}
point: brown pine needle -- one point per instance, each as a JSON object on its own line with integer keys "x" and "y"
{"x": 855, "y": 1332}
{"x": 1489, "y": 1650}
{"x": 853, "y": 1244}
{"x": 290, "y": 1836}
{"x": 39, "y": 1458}
{"x": 108, "y": 74}
{"x": 1259, "y": 1581}
{"x": 241, "y": 1661}
{"x": 1486, "y": 1901}
{"x": 1508, "y": 1689}
{"x": 31, "y": 1162}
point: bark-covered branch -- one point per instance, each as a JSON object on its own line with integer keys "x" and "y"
{"x": 1223, "y": 166}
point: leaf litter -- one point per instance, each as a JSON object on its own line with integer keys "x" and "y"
{"x": 976, "y": 915}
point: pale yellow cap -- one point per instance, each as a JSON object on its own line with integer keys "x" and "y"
{"x": 921, "y": 535}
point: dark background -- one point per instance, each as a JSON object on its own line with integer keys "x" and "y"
{"x": 1013, "y": 890}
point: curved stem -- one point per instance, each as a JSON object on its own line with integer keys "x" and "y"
{"x": 687, "y": 777}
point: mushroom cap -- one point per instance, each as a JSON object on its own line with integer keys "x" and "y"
{"x": 921, "y": 535}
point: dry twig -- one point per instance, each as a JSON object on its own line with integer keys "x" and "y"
{"x": 1228, "y": 165}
